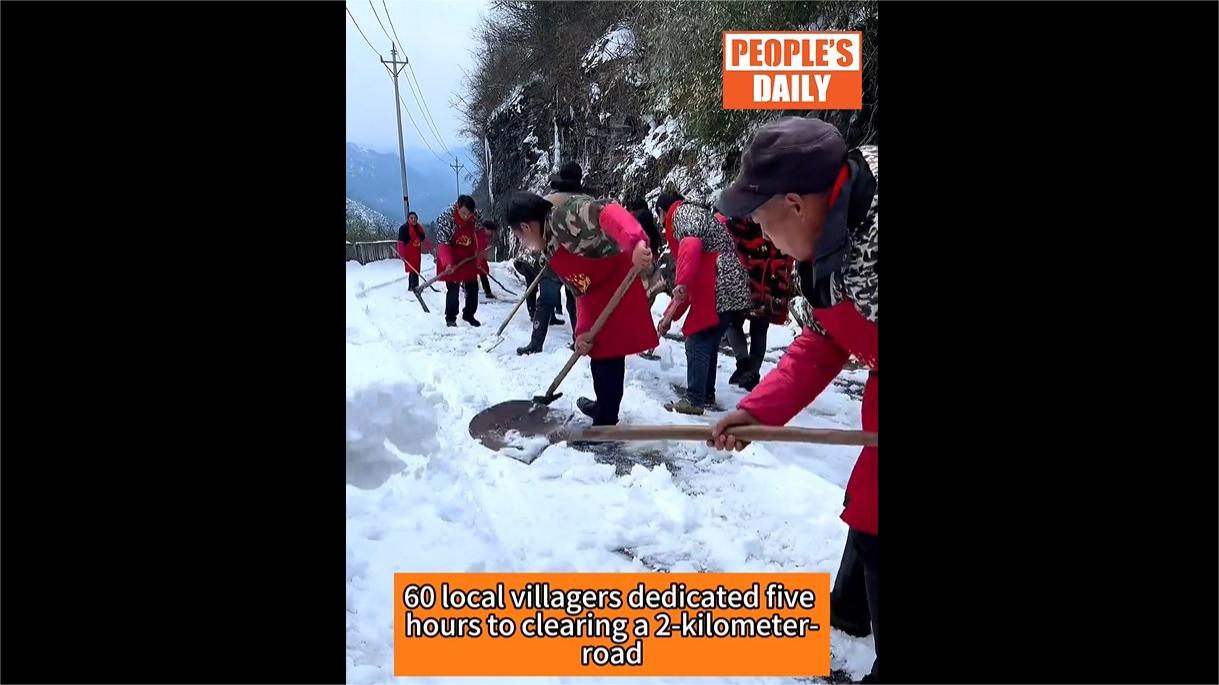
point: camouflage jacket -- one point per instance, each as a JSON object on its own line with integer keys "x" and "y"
{"x": 445, "y": 227}
{"x": 731, "y": 282}
{"x": 574, "y": 223}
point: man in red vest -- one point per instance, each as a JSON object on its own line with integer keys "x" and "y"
{"x": 457, "y": 243}
{"x": 819, "y": 203}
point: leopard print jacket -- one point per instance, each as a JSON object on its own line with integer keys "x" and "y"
{"x": 857, "y": 279}
{"x": 732, "y": 292}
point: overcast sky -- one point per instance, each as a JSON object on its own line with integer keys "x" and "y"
{"x": 438, "y": 37}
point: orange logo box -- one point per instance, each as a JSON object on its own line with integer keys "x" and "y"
{"x": 631, "y": 624}
{"x": 793, "y": 70}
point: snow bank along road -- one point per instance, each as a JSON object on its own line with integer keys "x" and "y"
{"x": 422, "y": 495}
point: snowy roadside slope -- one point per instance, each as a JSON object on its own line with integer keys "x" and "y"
{"x": 424, "y": 496}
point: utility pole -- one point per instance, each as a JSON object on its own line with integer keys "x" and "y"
{"x": 457, "y": 166}
{"x": 394, "y": 67}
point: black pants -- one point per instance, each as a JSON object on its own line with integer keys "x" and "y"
{"x": 450, "y": 300}
{"x": 749, "y": 355}
{"x": 856, "y": 594}
{"x": 527, "y": 273}
{"x": 486, "y": 284}
{"x": 412, "y": 280}
{"x": 702, "y": 358}
{"x": 608, "y": 377}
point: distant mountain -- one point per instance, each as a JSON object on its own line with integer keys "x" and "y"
{"x": 373, "y": 179}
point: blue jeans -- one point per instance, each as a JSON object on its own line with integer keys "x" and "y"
{"x": 702, "y": 356}
{"x": 550, "y": 288}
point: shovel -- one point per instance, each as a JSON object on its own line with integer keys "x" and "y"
{"x": 627, "y": 282}
{"x": 408, "y": 265}
{"x": 499, "y": 335}
{"x": 416, "y": 291}
{"x": 428, "y": 283}
{"x": 536, "y": 422}
{"x": 501, "y": 285}
{"x": 362, "y": 292}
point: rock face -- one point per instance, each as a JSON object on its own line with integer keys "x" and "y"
{"x": 609, "y": 103}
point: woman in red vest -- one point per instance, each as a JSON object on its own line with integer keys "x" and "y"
{"x": 412, "y": 242}
{"x": 666, "y": 206}
{"x": 592, "y": 245}
{"x": 770, "y": 280}
{"x": 714, "y": 286}
{"x": 457, "y": 241}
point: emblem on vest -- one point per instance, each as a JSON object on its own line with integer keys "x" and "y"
{"x": 463, "y": 241}
{"x": 581, "y": 282}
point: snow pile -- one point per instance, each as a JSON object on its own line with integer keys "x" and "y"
{"x": 699, "y": 181}
{"x": 616, "y": 43}
{"x": 661, "y": 138}
{"x": 537, "y": 175}
{"x": 430, "y": 498}
{"x": 384, "y": 421}
{"x": 514, "y": 101}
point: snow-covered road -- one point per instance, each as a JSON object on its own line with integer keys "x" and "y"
{"x": 422, "y": 495}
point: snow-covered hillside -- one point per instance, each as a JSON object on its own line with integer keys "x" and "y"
{"x": 365, "y": 223}
{"x": 422, "y": 495}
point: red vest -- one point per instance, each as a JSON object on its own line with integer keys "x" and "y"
{"x": 629, "y": 329}
{"x": 465, "y": 244}
{"x": 859, "y": 336}
{"x": 702, "y": 313}
{"x": 482, "y": 241}
{"x": 669, "y": 228}
{"x": 412, "y": 251}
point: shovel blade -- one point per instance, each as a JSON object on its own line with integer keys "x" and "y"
{"x": 490, "y": 343}
{"x": 529, "y": 419}
{"x": 422, "y": 303}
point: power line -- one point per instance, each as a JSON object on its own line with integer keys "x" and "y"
{"x": 416, "y": 89}
{"x": 421, "y": 136}
{"x": 374, "y": 13}
{"x": 353, "y": 20}
{"x": 428, "y": 112}
{"x": 417, "y": 94}
{"x": 391, "y": 25}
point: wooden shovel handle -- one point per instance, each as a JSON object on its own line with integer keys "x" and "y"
{"x": 597, "y": 325}
{"x": 667, "y": 318}
{"x": 435, "y": 278}
{"x": 408, "y": 265}
{"x": 755, "y": 433}
{"x": 532, "y": 286}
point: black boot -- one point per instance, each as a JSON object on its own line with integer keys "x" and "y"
{"x": 749, "y": 379}
{"x": 544, "y": 312}
{"x": 587, "y": 407}
{"x": 555, "y": 320}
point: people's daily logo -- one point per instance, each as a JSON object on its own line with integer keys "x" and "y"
{"x": 793, "y": 70}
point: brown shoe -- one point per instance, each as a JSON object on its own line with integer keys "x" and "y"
{"x": 684, "y": 407}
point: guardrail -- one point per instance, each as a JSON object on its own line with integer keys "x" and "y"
{"x": 372, "y": 251}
